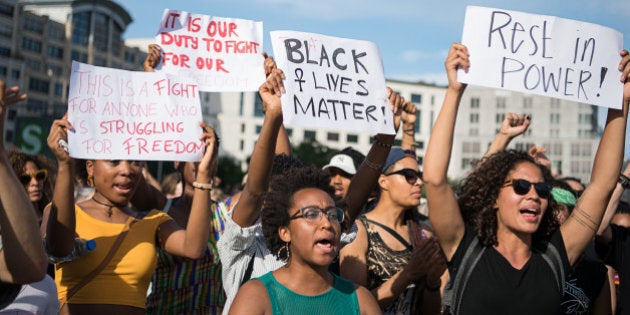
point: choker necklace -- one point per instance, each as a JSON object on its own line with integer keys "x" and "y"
{"x": 109, "y": 209}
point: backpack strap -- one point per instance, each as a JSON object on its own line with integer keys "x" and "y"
{"x": 390, "y": 231}
{"x": 248, "y": 272}
{"x": 454, "y": 289}
{"x": 552, "y": 257}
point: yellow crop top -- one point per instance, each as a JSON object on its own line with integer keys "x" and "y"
{"x": 126, "y": 277}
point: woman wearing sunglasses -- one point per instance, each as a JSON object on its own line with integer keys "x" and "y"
{"x": 34, "y": 177}
{"x": 391, "y": 255}
{"x": 301, "y": 223}
{"x": 504, "y": 204}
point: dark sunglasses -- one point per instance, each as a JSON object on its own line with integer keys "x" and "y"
{"x": 522, "y": 187}
{"x": 314, "y": 214}
{"x": 40, "y": 175}
{"x": 411, "y": 176}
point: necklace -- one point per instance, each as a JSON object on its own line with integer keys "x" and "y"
{"x": 109, "y": 206}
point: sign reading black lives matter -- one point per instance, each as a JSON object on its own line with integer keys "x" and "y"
{"x": 332, "y": 82}
{"x": 543, "y": 55}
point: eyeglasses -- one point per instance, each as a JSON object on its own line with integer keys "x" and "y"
{"x": 522, "y": 187}
{"x": 314, "y": 214}
{"x": 40, "y": 175}
{"x": 410, "y": 175}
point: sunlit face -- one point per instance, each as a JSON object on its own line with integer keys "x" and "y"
{"x": 521, "y": 214}
{"x": 340, "y": 181}
{"x": 314, "y": 242}
{"x": 397, "y": 186}
{"x": 34, "y": 188}
{"x": 563, "y": 213}
{"x": 116, "y": 180}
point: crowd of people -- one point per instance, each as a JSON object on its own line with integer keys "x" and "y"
{"x": 348, "y": 237}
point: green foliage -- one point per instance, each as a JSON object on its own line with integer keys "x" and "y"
{"x": 311, "y": 152}
{"x": 230, "y": 172}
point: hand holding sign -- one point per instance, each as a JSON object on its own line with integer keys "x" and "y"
{"x": 624, "y": 67}
{"x": 457, "y": 59}
{"x": 153, "y": 58}
{"x": 59, "y": 132}
{"x": 271, "y": 91}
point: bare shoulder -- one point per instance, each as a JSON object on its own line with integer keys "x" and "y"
{"x": 367, "y": 301}
{"x": 251, "y": 298}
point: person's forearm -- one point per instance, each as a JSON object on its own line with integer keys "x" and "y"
{"x": 60, "y": 230}
{"x": 389, "y": 290}
{"x": 24, "y": 256}
{"x": 408, "y": 137}
{"x": 200, "y": 219}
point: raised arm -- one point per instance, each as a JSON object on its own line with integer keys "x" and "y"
{"x": 583, "y": 223}
{"x": 59, "y": 217}
{"x": 247, "y": 210}
{"x": 408, "y": 118}
{"x": 369, "y": 171}
{"x": 444, "y": 211}
{"x": 513, "y": 126}
{"x": 22, "y": 257}
{"x": 283, "y": 145}
{"x": 192, "y": 241}
{"x": 603, "y": 233}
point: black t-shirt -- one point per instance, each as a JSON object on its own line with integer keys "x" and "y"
{"x": 495, "y": 287}
{"x": 617, "y": 255}
{"x": 583, "y": 285}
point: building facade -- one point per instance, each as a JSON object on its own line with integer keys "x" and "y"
{"x": 40, "y": 38}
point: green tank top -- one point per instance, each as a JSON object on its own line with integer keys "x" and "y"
{"x": 340, "y": 299}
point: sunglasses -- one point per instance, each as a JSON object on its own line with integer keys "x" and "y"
{"x": 314, "y": 214}
{"x": 40, "y": 175}
{"x": 411, "y": 176}
{"x": 522, "y": 187}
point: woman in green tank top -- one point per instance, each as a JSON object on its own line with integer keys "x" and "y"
{"x": 302, "y": 224}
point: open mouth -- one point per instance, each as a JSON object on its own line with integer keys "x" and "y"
{"x": 326, "y": 245}
{"x": 530, "y": 215}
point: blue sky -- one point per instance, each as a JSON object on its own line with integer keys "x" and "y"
{"x": 413, "y": 35}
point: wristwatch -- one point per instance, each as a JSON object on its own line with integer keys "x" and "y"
{"x": 624, "y": 181}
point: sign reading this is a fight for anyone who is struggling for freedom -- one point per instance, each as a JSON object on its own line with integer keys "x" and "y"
{"x": 130, "y": 115}
{"x": 543, "y": 55}
{"x": 222, "y": 54}
{"x": 332, "y": 82}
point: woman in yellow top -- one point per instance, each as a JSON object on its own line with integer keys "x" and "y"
{"x": 120, "y": 287}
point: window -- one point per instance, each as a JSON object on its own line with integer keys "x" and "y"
{"x": 242, "y": 145}
{"x": 33, "y": 25}
{"x": 242, "y": 128}
{"x": 310, "y": 135}
{"x": 499, "y": 118}
{"x": 15, "y": 74}
{"x": 6, "y": 9}
{"x": 473, "y": 132}
{"x": 416, "y": 98}
{"x": 258, "y": 109}
{"x": 31, "y": 45}
{"x": 420, "y": 145}
{"x": 56, "y": 33}
{"x": 101, "y": 31}
{"x": 332, "y": 136}
{"x": 474, "y": 118}
{"x": 527, "y": 102}
{"x": 38, "y": 85}
{"x": 79, "y": 56}
{"x": 81, "y": 27}
{"x": 474, "y": 102}
{"x": 501, "y": 101}
{"x": 350, "y": 138}
{"x": 258, "y": 129}
{"x": 432, "y": 99}
{"x": 6, "y": 30}
{"x": 554, "y": 118}
{"x": 417, "y": 125}
{"x": 289, "y": 132}
{"x": 58, "y": 89}
{"x": 54, "y": 69}
{"x": 240, "y": 104}
{"x": 54, "y": 51}
{"x": 100, "y": 61}
{"x": 32, "y": 64}
{"x": 3, "y": 71}
{"x": 116, "y": 39}
{"x": 34, "y": 105}
{"x": 5, "y": 51}
{"x": 575, "y": 149}
{"x": 130, "y": 57}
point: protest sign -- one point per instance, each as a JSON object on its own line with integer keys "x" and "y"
{"x": 222, "y": 54}
{"x": 332, "y": 82}
{"x": 543, "y": 55}
{"x": 127, "y": 115}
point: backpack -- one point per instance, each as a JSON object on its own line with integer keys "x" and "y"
{"x": 454, "y": 290}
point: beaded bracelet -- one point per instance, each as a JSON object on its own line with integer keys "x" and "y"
{"x": 203, "y": 186}
{"x": 382, "y": 144}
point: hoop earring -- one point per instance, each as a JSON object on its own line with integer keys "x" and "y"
{"x": 284, "y": 253}
{"x": 90, "y": 181}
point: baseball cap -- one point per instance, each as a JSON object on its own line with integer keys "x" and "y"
{"x": 395, "y": 155}
{"x": 343, "y": 162}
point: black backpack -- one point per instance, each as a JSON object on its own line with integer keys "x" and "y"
{"x": 454, "y": 290}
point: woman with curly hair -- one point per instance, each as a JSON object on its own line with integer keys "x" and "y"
{"x": 504, "y": 205}
{"x": 34, "y": 176}
{"x": 302, "y": 224}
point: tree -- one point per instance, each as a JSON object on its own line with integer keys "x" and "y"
{"x": 230, "y": 172}
{"x": 311, "y": 152}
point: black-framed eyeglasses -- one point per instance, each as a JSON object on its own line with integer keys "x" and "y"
{"x": 522, "y": 187}
{"x": 40, "y": 176}
{"x": 411, "y": 176}
{"x": 314, "y": 214}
